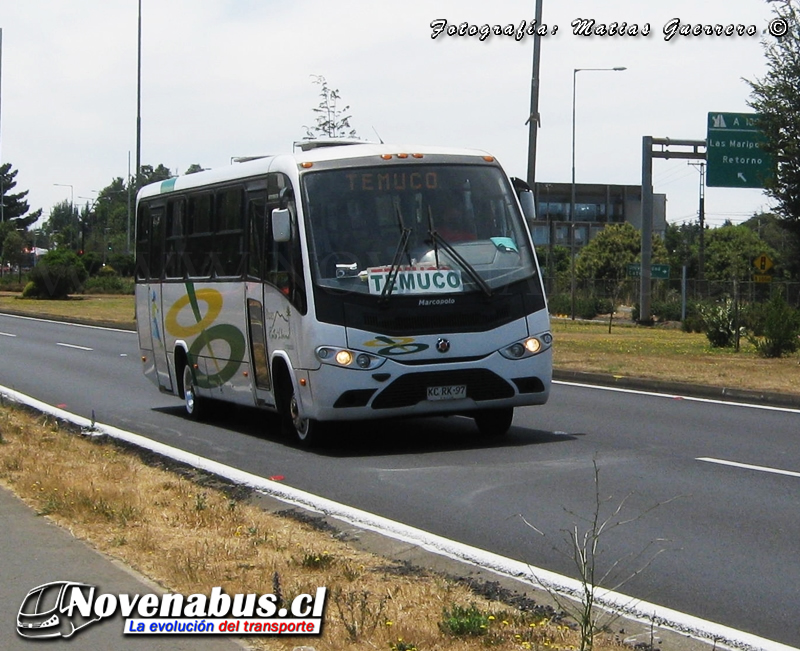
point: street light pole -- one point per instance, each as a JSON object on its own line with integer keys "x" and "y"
{"x": 572, "y": 190}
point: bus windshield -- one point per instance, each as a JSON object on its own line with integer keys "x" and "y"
{"x": 417, "y": 228}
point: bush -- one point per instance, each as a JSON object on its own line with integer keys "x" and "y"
{"x": 58, "y": 274}
{"x": 559, "y": 304}
{"x": 774, "y": 328}
{"x": 109, "y": 285}
{"x": 666, "y": 310}
{"x": 30, "y": 290}
{"x": 718, "y": 321}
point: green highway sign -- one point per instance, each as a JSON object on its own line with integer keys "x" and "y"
{"x": 657, "y": 271}
{"x": 733, "y": 152}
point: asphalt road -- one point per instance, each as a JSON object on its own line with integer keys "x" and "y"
{"x": 730, "y": 534}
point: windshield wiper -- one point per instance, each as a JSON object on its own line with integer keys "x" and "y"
{"x": 439, "y": 241}
{"x": 402, "y": 249}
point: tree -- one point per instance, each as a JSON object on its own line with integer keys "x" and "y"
{"x": 331, "y": 120}
{"x": 608, "y": 255}
{"x": 730, "y": 251}
{"x": 12, "y": 250}
{"x": 13, "y": 207}
{"x": 769, "y": 228}
{"x": 775, "y": 98}
{"x": 148, "y": 174}
{"x": 683, "y": 244}
{"x": 63, "y": 226}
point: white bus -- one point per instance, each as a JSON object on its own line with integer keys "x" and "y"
{"x": 344, "y": 282}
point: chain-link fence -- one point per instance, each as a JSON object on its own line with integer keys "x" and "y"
{"x": 670, "y": 299}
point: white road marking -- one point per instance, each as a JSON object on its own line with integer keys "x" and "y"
{"x": 642, "y": 611}
{"x": 748, "y": 466}
{"x": 671, "y": 396}
{"x": 74, "y": 325}
{"x": 74, "y": 346}
{"x": 6, "y": 334}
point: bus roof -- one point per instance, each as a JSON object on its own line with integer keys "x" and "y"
{"x": 324, "y": 151}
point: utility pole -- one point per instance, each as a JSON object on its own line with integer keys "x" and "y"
{"x": 2, "y": 192}
{"x": 533, "y": 121}
{"x": 139, "y": 101}
{"x": 701, "y": 213}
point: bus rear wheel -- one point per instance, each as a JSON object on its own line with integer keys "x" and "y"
{"x": 494, "y": 423}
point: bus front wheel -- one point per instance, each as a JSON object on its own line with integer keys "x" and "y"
{"x": 494, "y": 423}
{"x": 305, "y": 430}
{"x": 195, "y": 405}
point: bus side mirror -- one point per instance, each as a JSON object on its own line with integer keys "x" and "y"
{"x": 525, "y": 196}
{"x": 281, "y": 225}
{"x": 528, "y": 205}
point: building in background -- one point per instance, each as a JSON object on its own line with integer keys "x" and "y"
{"x": 596, "y": 206}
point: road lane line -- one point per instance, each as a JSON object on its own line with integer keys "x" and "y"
{"x": 672, "y": 396}
{"x": 747, "y": 466}
{"x": 67, "y": 323}
{"x": 74, "y": 346}
{"x": 639, "y": 610}
{"x": 6, "y": 334}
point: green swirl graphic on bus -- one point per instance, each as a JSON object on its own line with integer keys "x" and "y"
{"x": 397, "y": 346}
{"x": 206, "y": 335}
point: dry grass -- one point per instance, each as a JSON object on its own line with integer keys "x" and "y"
{"x": 668, "y": 354}
{"x": 191, "y": 537}
{"x": 106, "y": 309}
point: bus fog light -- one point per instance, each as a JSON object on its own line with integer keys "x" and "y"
{"x": 344, "y": 357}
{"x": 324, "y": 353}
{"x": 363, "y": 361}
{"x": 517, "y": 350}
{"x": 533, "y": 345}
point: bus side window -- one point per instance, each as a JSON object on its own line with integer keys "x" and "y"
{"x": 284, "y": 266}
{"x": 228, "y": 246}
{"x": 257, "y": 223}
{"x": 175, "y": 244}
{"x": 144, "y": 259}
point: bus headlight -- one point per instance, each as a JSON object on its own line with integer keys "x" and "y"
{"x": 348, "y": 358}
{"x": 528, "y": 347}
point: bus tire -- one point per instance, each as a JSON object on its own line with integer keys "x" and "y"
{"x": 305, "y": 431}
{"x": 195, "y": 405}
{"x": 494, "y": 423}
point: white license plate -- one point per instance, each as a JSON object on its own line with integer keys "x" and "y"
{"x": 452, "y": 392}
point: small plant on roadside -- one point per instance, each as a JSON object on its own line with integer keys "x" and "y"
{"x": 584, "y": 549}
{"x": 461, "y": 621}
{"x": 774, "y": 328}
{"x": 360, "y": 611}
{"x": 317, "y": 561}
{"x": 402, "y": 645}
{"x": 719, "y": 321}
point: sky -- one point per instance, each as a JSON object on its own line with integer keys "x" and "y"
{"x": 230, "y": 78}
